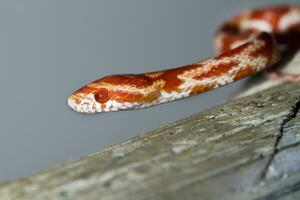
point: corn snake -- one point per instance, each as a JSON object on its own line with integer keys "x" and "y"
{"x": 248, "y": 43}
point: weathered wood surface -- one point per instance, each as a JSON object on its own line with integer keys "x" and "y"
{"x": 246, "y": 149}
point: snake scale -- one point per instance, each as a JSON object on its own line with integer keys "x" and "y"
{"x": 249, "y": 42}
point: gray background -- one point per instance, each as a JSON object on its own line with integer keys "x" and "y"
{"x": 49, "y": 48}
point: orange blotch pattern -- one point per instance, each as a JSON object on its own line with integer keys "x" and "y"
{"x": 271, "y": 14}
{"x": 200, "y": 88}
{"x": 170, "y": 76}
{"x": 218, "y": 70}
{"x": 123, "y": 96}
{"x": 244, "y": 73}
{"x": 135, "y": 80}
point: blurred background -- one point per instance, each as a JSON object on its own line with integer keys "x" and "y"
{"x": 50, "y": 48}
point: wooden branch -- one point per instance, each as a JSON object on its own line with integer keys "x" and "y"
{"x": 246, "y": 149}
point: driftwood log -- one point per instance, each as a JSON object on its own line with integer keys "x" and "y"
{"x": 246, "y": 149}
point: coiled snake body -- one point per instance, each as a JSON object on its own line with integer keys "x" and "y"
{"x": 249, "y": 42}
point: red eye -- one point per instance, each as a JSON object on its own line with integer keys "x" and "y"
{"x": 102, "y": 95}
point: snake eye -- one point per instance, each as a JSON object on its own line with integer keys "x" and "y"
{"x": 102, "y": 95}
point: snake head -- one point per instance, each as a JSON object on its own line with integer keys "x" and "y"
{"x": 114, "y": 93}
{"x": 88, "y": 99}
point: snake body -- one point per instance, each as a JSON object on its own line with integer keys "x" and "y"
{"x": 248, "y": 43}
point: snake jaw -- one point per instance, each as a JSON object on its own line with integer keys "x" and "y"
{"x": 88, "y": 104}
{"x": 82, "y": 104}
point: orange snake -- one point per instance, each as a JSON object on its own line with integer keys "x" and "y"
{"x": 249, "y": 42}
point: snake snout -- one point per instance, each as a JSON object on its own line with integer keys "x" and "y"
{"x": 73, "y": 102}
{"x": 81, "y": 105}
